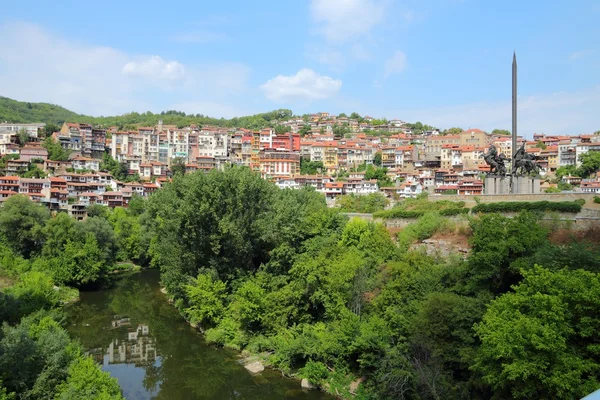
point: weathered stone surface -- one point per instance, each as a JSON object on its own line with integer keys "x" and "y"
{"x": 355, "y": 384}
{"x": 305, "y": 383}
{"x": 255, "y": 367}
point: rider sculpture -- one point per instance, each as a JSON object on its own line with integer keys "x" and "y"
{"x": 525, "y": 163}
{"x": 495, "y": 161}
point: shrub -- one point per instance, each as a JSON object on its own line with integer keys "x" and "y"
{"x": 398, "y": 213}
{"x": 315, "y": 371}
{"x": 454, "y": 211}
{"x": 423, "y": 229}
{"x": 581, "y": 202}
{"x": 597, "y": 199}
{"x": 517, "y": 206}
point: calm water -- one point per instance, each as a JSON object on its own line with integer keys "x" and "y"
{"x": 141, "y": 340}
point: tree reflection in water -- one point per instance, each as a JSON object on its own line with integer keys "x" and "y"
{"x": 142, "y": 340}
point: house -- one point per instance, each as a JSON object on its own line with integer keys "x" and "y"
{"x": 85, "y": 163}
{"x": 29, "y": 153}
{"x": 590, "y": 186}
{"x": 470, "y": 187}
{"x": 333, "y": 190}
{"x": 278, "y": 163}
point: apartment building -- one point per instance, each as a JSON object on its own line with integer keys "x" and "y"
{"x": 278, "y": 163}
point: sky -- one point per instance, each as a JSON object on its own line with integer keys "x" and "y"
{"x": 446, "y": 63}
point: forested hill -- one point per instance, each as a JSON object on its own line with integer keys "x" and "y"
{"x": 22, "y": 111}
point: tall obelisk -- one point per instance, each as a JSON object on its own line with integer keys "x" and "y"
{"x": 514, "y": 109}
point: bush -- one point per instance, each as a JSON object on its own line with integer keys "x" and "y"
{"x": 423, "y": 229}
{"x": 315, "y": 371}
{"x": 581, "y": 202}
{"x": 398, "y": 213}
{"x": 517, "y": 206}
{"x": 597, "y": 199}
{"x": 454, "y": 211}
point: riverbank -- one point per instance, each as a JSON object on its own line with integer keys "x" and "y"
{"x": 257, "y": 363}
{"x": 171, "y": 358}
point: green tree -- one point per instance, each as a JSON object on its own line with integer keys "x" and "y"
{"x": 452, "y": 131}
{"x": 206, "y": 297}
{"x": 377, "y": 159}
{"x": 590, "y": 163}
{"x": 541, "y": 145}
{"x": 178, "y": 166}
{"x": 501, "y": 132}
{"x": 23, "y": 137}
{"x": 281, "y": 129}
{"x": 87, "y": 381}
{"x": 35, "y": 172}
{"x": 540, "y": 341}
{"x": 21, "y": 224}
{"x": 308, "y": 167}
{"x": 304, "y": 130}
{"x": 50, "y": 128}
{"x": 492, "y": 261}
{"x": 79, "y": 263}
{"x": 55, "y": 150}
{"x": 566, "y": 170}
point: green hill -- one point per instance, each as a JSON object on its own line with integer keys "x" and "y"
{"x": 22, "y": 111}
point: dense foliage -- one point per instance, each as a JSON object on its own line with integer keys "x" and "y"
{"x": 39, "y": 255}
{"x": 517, "y": 206}
{"x": 24, "y": 112}
{"x": 417, "y": 207}
{"x": 279, "y": 274}
{"x": 369, "y": 203}
{"x": 333, "y": 300}
{"x": 17, "y": 111}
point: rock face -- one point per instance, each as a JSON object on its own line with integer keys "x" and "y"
{"x": 305, "y": 383}
{"x": 441, "y": 248}
{"x": 255, "y": 367}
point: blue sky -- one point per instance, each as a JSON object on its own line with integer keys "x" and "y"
{"x": 444, "y": 62}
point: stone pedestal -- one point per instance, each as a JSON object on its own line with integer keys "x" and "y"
{"x": 511, "y": 185}
{"x": 496, "y": 185}
{"x": 525, "y": 185}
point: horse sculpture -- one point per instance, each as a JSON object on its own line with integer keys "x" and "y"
{"x": 525, "y": 163}
{"x": 495, "y": 161}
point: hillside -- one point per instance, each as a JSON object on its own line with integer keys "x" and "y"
{"x": 22, "y": 111}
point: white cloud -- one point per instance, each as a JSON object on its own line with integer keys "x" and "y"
{"x": 306, "y": 85}
{"x": 555, "y": 113}
{"x": 395, "y": 64}
{"x": 155, "y": 68}
{"x": 343, "y": 20}
{"x": 38, "y": 65}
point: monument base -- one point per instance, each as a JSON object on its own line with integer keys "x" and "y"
{"x": 525, "y": 185}
{"x": 496, "y": 184}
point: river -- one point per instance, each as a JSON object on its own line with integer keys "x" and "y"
{"x": 139, "y": 338}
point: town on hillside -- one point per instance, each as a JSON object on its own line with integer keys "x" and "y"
{"x": 80, "y": 164}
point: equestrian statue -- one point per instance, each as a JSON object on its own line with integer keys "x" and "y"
{"x": 525, "y": 163}
{"x": 495, "y": 161}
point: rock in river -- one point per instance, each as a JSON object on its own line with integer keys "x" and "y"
{"x": 255, "y": 367}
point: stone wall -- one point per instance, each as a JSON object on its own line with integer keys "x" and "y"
{"x": 515, "y": 197}
{"x": 581, "y": 221}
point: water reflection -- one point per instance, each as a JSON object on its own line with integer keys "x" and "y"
{"x": 136, "y": 335}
